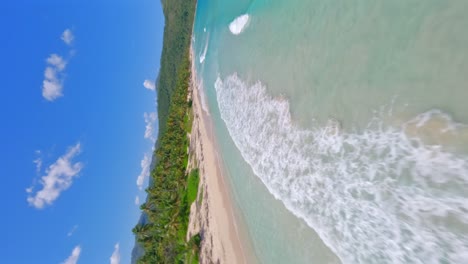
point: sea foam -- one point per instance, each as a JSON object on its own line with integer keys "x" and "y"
{"x": 205, "y": 50}
{"x": 238, "y": 25}
{"x": 377, "y": 196}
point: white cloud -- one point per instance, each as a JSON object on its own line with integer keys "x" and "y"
{"x": 73, "y": 258}
{"x": 50, "y": 73}
{"x": 137, "y": 200}
{"x": 52, "y": 89}
{"x": 38, "y": 162}
{"x": 150, "y": 120}
{"x": 52, "y": 85}
{"x": 149, "y": 85}
{"x": 145, "y": 168}
{"x": 57, "y": 61}
{"x": 72, "y": 231}
{"x": 68, "y": 37}
{"x": 59, "y": 177}
{"x": 115, "y": 258}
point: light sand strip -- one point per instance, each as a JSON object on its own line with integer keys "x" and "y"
{"x": 213, "y": 217}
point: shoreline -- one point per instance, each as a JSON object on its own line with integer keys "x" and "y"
{"x": 213, "y": 212}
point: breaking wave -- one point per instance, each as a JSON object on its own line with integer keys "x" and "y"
{"x": 205, "y": 50}
{"x": 378, "y": 196}
{"x": 238, "y": 25}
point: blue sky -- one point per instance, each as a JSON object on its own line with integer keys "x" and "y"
{"x": 77, "y": 122}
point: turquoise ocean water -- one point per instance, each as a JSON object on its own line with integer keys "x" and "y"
{"x": 343, "y": 125}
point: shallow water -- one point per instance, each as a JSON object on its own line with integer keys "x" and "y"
{"x": 343, "y": 125}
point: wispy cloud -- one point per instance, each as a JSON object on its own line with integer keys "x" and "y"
{"x": 150, "y": 120}
{"x": 57, "y": 62}
{"x": 137, "y": 200}
{"x": 38, "y": 162}
{"x": 73, "y": 258}
{"x": 67, "y": 36}
{"x": 72, "y": 231}
{"x": 149, "y": 85}
{"x": 52, "y": 85}
{"x": 115, "y": 258}
{"x": 59, "y": 177}
{"x": 145, "y": 167}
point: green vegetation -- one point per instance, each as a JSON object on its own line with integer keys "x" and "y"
{"x": 193, "y": 249}
{"x": 172, "y": 191}
{"x": 179, "y": 15}
{"x": 192, "y": 186}
{"x": 189, "y": 119}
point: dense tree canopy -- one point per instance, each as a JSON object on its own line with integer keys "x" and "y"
{"x": 179, "y": 15}
{"x": 167, "y": 206}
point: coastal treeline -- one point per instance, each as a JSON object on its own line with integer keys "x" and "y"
{"x": 170, "y": 194}
{"x": 179, "y": 16}
{"x": 172, "y": 189}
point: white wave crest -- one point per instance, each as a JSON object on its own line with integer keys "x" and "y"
{"x": 202, "y": 57}
{"x": 238, "y": 25}
{"x": 203, "y": 103}
{"x": 205, "y": 50}
{"x": 373, "y": 197}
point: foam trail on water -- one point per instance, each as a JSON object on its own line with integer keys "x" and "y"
{"x": 198, "y": 83}
{"x": 201, "y": 90}
{"x": 238, "y": 25}
{"x": 378, "y": 196}
{"x": 205, "y": 50}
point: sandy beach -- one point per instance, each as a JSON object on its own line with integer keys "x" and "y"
{"x": 212, "y": 214}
